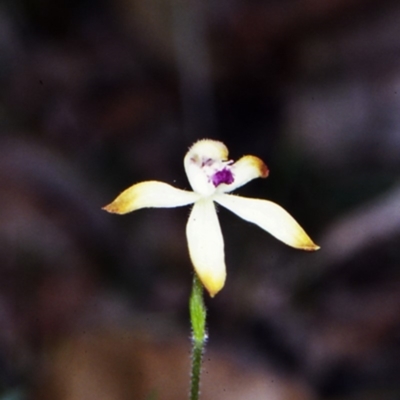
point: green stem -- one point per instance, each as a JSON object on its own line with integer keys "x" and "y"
{"x": 199, "y": 336}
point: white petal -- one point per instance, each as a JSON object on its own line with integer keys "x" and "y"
{"x": 244, "y": 170}
{"x": 270, "y": 217}
{"x": 203, "y": 153}
{"x": 206, "y": 245}
{"x": 150, "y": 194}
{"x": 198, "y": 179}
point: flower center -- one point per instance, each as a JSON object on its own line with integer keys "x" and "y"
{"x": 223, "y": 176}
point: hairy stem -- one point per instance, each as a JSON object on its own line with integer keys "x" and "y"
{"x": 199, "y": 336}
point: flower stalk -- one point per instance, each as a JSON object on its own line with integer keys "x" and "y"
{"x": 213, "y": 178}
{"x": 198, "y": 315}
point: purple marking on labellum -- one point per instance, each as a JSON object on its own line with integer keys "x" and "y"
{"x": 223, "y": 176}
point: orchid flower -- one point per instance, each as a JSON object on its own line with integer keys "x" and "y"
{"x": 212, "y": 176}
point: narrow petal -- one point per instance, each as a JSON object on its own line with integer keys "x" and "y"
{"x": 206, "y": 245}
{"x": 244, "y": 170}
{"x": 150, "y": 194}
{"x": 270, "y": 217}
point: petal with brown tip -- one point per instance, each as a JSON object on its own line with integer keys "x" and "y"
{"x": 150, "y": 194}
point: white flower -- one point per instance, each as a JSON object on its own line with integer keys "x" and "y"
{"x": 212, "y": 176}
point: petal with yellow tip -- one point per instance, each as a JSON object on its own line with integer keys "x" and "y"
{"x": 150, "y": 194}
{"x": 206, "y": 245}
{"x": 270, "y": 217}
{"x": 244, "y": 170}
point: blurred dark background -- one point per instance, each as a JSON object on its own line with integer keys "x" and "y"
{"x": 98, "y": 95}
